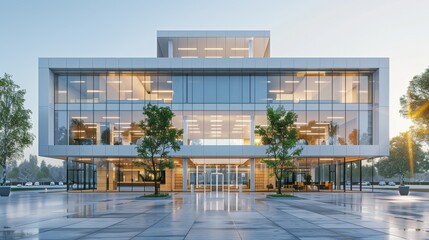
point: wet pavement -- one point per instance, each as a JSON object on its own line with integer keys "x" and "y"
{"x": 60, "y": 215}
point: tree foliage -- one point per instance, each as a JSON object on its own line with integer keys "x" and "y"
{"x": 415, "y": 104}
{"x": 15, "y": 122}
{"x": 159, "y": 138}
{"x": 406, "y": 156}
{"x": 280, "y": 136}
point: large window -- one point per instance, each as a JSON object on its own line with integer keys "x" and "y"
{"x": 218, "y": 108}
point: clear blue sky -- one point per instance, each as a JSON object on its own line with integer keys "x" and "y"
{"x": 364, "y": 28}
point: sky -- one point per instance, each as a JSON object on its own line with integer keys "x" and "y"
{"x": 313, "y": 28}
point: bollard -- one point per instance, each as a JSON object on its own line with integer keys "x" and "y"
{"x": 240, "y": 188}
{"x": 192, "y": 187}
{"x": 46, "y": 189}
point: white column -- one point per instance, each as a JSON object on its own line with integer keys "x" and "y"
{"x": 338, "y": 175}
{"x": 252, "y": 130}
{"x": 185, "y": 175}
{"x": 229, "y": 179}
{"x": 185, "y": 131}
{"x": 236, "y": 176}
{"x": 196, "y": 175}
{"x": 252, "y": 174}
{"x": 170, "y": 49}
{"x": 250, "y": 46}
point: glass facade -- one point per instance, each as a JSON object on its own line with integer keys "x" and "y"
{"x": 208, "y": 174}
{"x": 214, "y": 47}
{"x": 214, "y": 108}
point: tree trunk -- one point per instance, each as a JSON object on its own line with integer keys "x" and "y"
{"x": 3, "y": 182}
{"x": 156, "y": 183}
{"x": 279, "y": 186}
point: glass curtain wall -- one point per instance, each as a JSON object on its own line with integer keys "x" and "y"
{"x": 214, "y": 108}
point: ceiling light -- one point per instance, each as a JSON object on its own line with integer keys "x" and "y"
{"x": 186, "y": 49}
{"x": 126, "y": 91}
{"x": 214, "y": 116}
{"x": 77, "y": 81}
{"x": 335, "y": 117}
{"x": 189, "y": 57}
{"x": 123, "y": 123}
{"x": 236, "y": 56}
{"x": 132, "y": 99}
{"x": 192, "y": 125}
{"x": 216, "y": 120}
{"x": 111, "y": 117}
{"x": 276, "y": 91}
{"x": 311, "y": 91}
{"x": 146, "y": 81}
{"x": 114, "y": 81}
{"x": 243, "y": 120}
{"x": 213, "y": 56}
{"x": 216, "y": 125}
{"x": 94, "y": 91}
{"x": 191, "y": 120}
{"x": 290, "y": 81}
{"x": 213, "y": 49}
{"x": 79, "y": 117}
{"x": 239, "y": 49}
{"x": 62, "y": 91}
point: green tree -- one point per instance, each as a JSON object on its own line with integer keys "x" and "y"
{"x": 43, "y": 173}
{"x": 159, "y": 137}
{"x": 406, "y": 157}
{"x": 280, "y": 136}
{"x": 15, "y": 122}
{"x": 415, "y": 104}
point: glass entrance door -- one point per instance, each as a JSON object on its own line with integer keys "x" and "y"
{"x": 217, "y": 182}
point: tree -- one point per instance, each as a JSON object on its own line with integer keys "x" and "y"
{"x": 281, "y": 137}
{"x": 406, "y": 157}
{"x": 415, "y": 104}
{"x": 43, "y": 173}
{"x": 15, "y": 122}
{"x": 159, "y": 137}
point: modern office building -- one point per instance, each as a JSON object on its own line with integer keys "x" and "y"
{"x": 218, "y": 83}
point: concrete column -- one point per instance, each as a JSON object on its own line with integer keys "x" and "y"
{"x": 185, "y": 131}
{"x": 185, "y": 175}
{"x": 170, "y": 49}
{"x": 338, "y": 175}
{"x": 196, "y": 176}
{"x": 250, "y": 46}
{"x": 252, "y": 130}
{"x": 236, "y": 176}
{"x": 252, "y": 174}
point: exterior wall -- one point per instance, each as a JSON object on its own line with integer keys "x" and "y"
{"x": 46, "y": 106}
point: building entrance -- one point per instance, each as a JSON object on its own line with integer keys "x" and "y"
{"x": 219, "y": 177}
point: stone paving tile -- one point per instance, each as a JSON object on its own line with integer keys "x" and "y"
{"x": 211, "y": 216}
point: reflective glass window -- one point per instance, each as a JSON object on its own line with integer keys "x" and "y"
{"x": 61, "y": 134}
{"x": 352, "y": 127}
{"x": 365, "y": 127}
{"x": 61, "y": 89}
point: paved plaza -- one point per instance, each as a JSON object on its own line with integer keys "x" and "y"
{"x": 60, "y": 215}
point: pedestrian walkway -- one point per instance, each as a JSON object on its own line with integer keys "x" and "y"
{"x": 383, "y": 215}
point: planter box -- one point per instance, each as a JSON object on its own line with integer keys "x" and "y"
{"x": 4, "y": 191}
{"x": 404, "y": 190}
